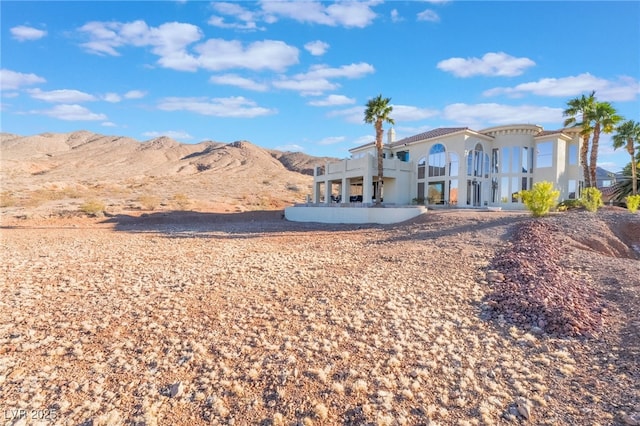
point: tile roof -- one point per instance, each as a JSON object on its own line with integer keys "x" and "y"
{"x": 435, "y": 133}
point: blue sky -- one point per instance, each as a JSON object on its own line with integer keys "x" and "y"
{"x": 296, "y": 75}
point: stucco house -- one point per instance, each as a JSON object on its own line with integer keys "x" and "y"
{"x": 456, "y": 166}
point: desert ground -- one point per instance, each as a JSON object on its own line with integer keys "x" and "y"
{"x": 188, "y": 318}
{"x": 159, "y": 283}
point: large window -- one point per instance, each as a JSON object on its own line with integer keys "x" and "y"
{"x": 421, "y": 167}
{"x": 573, "y": 155}
{"x": 544, "y": 155}
{"x": 454, "y": 164}
{"x": 572, "y": 189}
{"x": 527, "y": 159}
{"x": 437, "y": 161}
{"x": 494, "y": 160}
{"x": 504, "y": 164}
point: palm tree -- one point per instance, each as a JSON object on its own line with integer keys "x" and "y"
{"x": 579, "y": 108}
{"x": 604, "y": 118}
{"x": 377, "y": 112}
{"x": 628, "y": 135}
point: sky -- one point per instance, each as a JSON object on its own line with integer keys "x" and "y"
{"x": 296, "y": 75}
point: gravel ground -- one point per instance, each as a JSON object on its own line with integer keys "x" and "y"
{"x": 249, "y": 319}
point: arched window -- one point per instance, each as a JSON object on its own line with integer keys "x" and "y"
{"x": 437, "y": 160}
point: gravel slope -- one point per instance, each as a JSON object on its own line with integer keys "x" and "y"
{"x": 205, "y": 319}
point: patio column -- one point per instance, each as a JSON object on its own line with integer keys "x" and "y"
{"x": 327, "y": 191}
{"x": 345, "y": 190}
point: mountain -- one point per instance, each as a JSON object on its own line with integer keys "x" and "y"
{"x": 120, "y": 169}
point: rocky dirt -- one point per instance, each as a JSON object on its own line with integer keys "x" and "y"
{"x": 245, "y": 318}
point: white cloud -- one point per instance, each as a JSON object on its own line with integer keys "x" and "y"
{"x": 333, "y": 100}
{"x": 402, "y": 113}
{"x": 395, "y": 16}
{"x": 622, "y": 89}
{"x": 331, "y": 140}
{"x": 236, "y": 80}
{"x": 317, "y": 48}
{"x": 485, "y": 114}
{"x": 491, "y": 64}
{"x": 305, "y": 85}
{"x": 169, "y": 40}
{"x": 108, "y": 124}
{"x": 248, "y": 18}
{"x": 363, "y": 140}
{"x": 237, "y": 107}
{"x": 11, "y": 80}
{"x": 347, "y": 14}
{"x": 61, "y": 96}
{"x": 24, "y": 33}
{"x": 345, "y": 71}
{"x": 290, "y": 148}
{"x": 112, "y": 97}
{"x": 173, "y": 134}
{"x": 429, "y": 16}
{"x": 135, "y": 94}
{"x": 218, "y": 54}
{"x": 71, "y": 113}
{"x": 353, "y": 115}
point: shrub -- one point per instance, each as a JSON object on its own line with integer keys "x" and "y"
{"x": 149, "y": 202}
{"x": 569, "y": 205}
{"x": 540, "y": 199}
{"x": 591, "y": 199}
{"x": 182, "y": 201}
{"x": 633, "y": 202}
{"x": 93, "y": 208}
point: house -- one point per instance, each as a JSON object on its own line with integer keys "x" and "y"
{"x": 456, "y": 166}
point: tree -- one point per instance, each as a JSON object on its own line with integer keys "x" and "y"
{"x": 579, "y": 109}
{"x": 377, "y": 113}
{"x": 628, "y": 135}
{"x": 603, "y": 118}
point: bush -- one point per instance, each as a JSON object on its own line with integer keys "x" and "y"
{"x": 93, "y": 208}
{"x": 149, "y": 202}
{"x": 633, "y": 202}
{"x": 182, "y": 201}
{"x": 591, "y": 199}
{"x": 569, "y": 205}
{"x": 540, "y": 199}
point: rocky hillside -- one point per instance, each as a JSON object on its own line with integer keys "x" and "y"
{"x": 119, "y": 169}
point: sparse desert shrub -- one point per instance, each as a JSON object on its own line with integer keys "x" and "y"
{"x": 569, "y": 205}
{"x": 540, "y": 199}
{"x": 149, "y": 202}
{"x": 633, "y": 202}
{"x": 93, "y": 207}
{"x": 7, "y": 199}
{"x": 182, "y": 201}
{"x": 293, "y": 187}
{"x": 591, "y": 199}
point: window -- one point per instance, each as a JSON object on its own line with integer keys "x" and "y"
{"x": 514, "y": 190}
{"x": 515, "y": 160}
{"x": 420, "y": 195}
{"x": 573, "y": 155}
{"x": 403, "y": 155}
{"x": 572, "y": 186}
{"x": 504, "y": 166}
{"x": 494, "y": 160}
{"x": 504, "y": 190}
{"x": 524, "y": 183}
{"x": 526, "y": 160}
{"x": 454, "y": 164}
{"x": 421, "y": 167}
{"x": 453, "y": 191}
{"x": 437, "y": 160}
{"x": 436, "y": 193}
{"x": 544, "y": 155}
{"x": 486, "y": 165}
{"x": 494, "y": 189}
